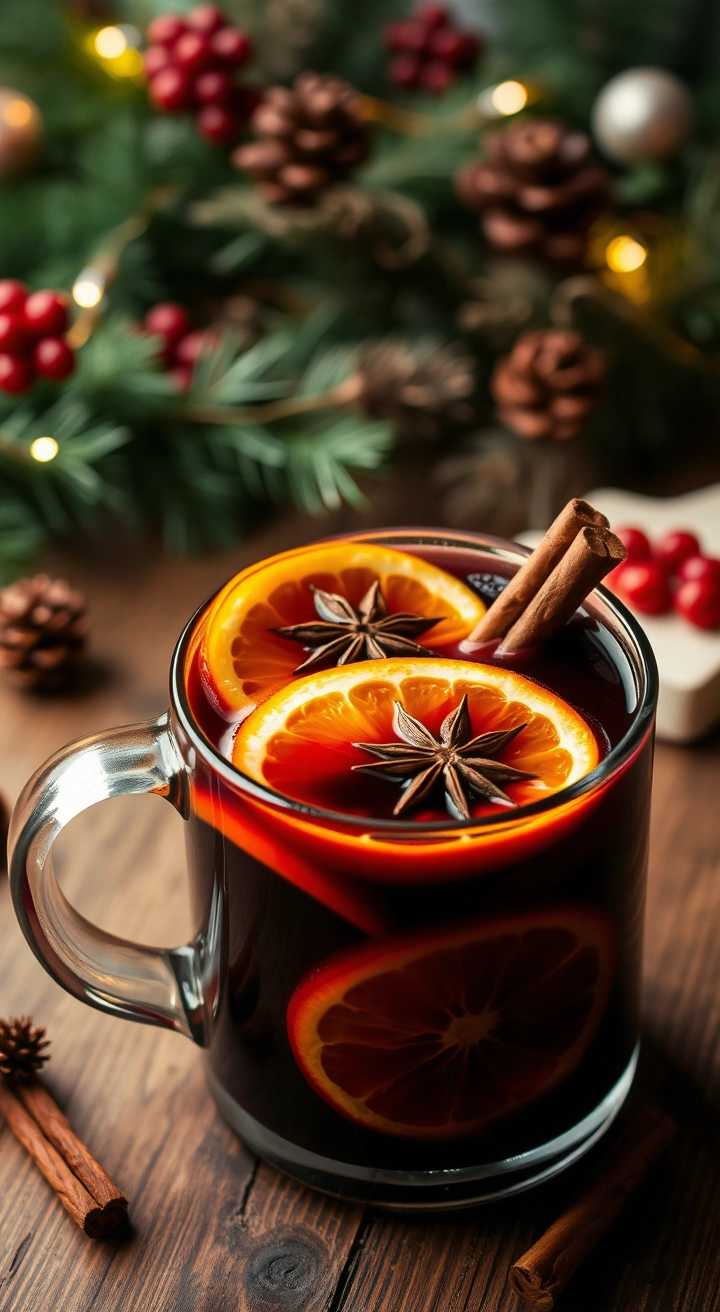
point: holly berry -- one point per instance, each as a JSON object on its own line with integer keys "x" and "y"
{"x": 674, "y": 548}
{"x": 700, "y": 567}
{"x": 16, "y": 374}
{"x": 231, "y": 46}
{"x": 635, "y": 542}
{"x": 13, "y": 334}
{"x": 53, "y": 358}
{"x": 644, "y": 584}
{"x": 191, "y": 65}
{"x": 168, "y": 320}
{"x": 427, "y": 51}
{"x": 155, "y": 59}
{"x": 190, "y": 347}
{"x": 182, "y": 377}
{"x": 213, "y": 87}
{"x": 170, "y": 89}
{"x": 206, "y": 19}
{"x": 192, "y": 51}
{"x": 46, "y": 313}
{"x": 165, "y": 30}
{"x": 217, "y": 124}
{"x": 698, "y": 600}
{"x": 13, "y": 296}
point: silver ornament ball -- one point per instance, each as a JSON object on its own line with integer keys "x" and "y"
{"x": 642, "y": 115}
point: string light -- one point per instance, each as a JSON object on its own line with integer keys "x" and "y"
{"x": 18, "y": 113}
{"x": 117, "y": 47}
{"x": 624, "y": 254}
{"x": 503, "y": 100}
{"x": 44, "y": 449}
{"x": 88, "y": 288}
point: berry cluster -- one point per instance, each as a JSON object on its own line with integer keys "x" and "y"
{"x": 191, "y": 65}
{"x": 427, "y": 51}
{"x": 32, "y": 328}
{"x": 670, "y": 574}
{"x": 181, "y": 343}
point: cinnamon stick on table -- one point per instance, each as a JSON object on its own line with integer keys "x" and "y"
{"x": 95, "y": 1218}
{"x": 542, "y": 1273}
{"x": 57, "y": 1129}
{"x": 593, "y": 553}
{"x": 524, "y": 585}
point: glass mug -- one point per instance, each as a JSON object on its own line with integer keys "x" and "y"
{"x": 290, "y": 899}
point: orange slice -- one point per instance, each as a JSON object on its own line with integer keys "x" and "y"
{"x": 242, "y": 661}
{"x": 437, "y": 1035}
{"x": 300, "y": 741}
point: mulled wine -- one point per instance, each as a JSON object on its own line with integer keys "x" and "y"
{"x": 428, "y": 861}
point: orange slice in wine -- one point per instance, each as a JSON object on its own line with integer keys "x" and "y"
{"x": 438, "y": 1035}
{"x": 301, "y": 742}
{"x": 243, "y": 660}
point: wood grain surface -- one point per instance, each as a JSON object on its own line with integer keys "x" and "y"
{"x": 212, "y": 1229}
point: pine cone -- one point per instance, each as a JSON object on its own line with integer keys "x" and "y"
{"x": 21, "y": 1049}
{"x": 537, "y": 189}
{"x": 311, "y": 135}
{"x": 42, "y": 631}
{"x": 549, "y": 384}
{"x": 422, "y": 389}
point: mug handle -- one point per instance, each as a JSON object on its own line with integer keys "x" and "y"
{"x": 155, "y": 986}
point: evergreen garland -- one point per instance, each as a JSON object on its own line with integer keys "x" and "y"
{"x": 388, "y": 253}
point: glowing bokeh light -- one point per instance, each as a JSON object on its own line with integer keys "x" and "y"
{"x": 624, "y": 254}
{"x": 44, "y": 449}
{"x": 509, "y": 98}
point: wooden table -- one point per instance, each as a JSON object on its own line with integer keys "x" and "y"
{"x": 214, "y": 1230}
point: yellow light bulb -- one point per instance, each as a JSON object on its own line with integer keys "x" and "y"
{"x": 509, "y": 98}
{"x": 44, "y": 449}
{"x": 624, "y": 254}
{"x": 88, "y": 289}
{"x": 17, "y": 113}
{"x": 110, "y": 42}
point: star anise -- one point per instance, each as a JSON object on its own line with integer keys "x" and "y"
{"x": 462, "y": 762}
{"x": 344, "y": 633}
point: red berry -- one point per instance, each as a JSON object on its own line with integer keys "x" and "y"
{"x": 14, "y": 338}
{"x": 170, "y": 89}
{"x": 645, "y": 586}
{"x": 192, "y": 51}
{"x": 53, "y": 358}
{"x": 217, "y": 124}
{"x": 168, "y": 320}
{"x": 431, "y": 17}
{"x": 213, "y": 87}
{"x": 206, "y": 19}
{"x": 231, "y": 46}
{"x": 674, "y": 548}
{"x": 13, "y": 295}
{"x": 698, "y": 600}
{"x": 182, "y": 376}
{"x": 700, "y": 567}
{"x": 436, "y": 76}
{"x": 635, "y": 542}
{"x": 406, "y": 36}
{"x": 16, "y": 375}
{"x": 459, "y": 49}
{"x": 46, "y": 313}
{"x": 405, "y": 70}
{"x": 156, "y": 58}
{"x": 612, "y": 579}
{"x": 190, "y": 347}
{"x": 165, "y": 30}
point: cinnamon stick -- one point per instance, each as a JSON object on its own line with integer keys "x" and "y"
{"x": 57, "y": 1129}
{"x": 524, "y": 585}
{"x": 95, "y": 1218}
{"x": 542, "y": 1273}
{"x": 593, "y": 553}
